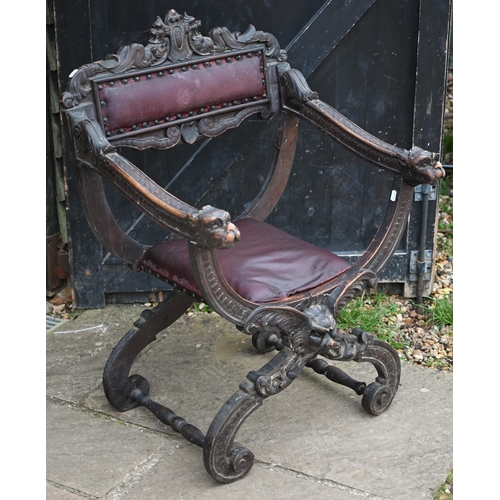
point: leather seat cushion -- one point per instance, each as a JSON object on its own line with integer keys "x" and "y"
{"x": 267, "y": 263}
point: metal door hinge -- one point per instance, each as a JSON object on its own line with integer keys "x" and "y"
{"x": 420, "y": 268}
{"x": 422, "y": 189}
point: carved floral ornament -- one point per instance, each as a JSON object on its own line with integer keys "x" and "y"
{"x": 174, "y": 39}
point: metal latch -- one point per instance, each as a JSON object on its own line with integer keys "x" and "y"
{"x": 420, "y": 268}
{"x": 424, "y": 189}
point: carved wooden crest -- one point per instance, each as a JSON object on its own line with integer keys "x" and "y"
{"x": 173, "y": 39}
{"x": 180, "y": 86}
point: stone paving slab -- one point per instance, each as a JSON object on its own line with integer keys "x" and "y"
{"x": 77, "y": 350}
{"x": 53, "y": 493}
{"x": 90, "y": 454}
{"x": 179, "y": 475}
{"x": 312, "y": 438}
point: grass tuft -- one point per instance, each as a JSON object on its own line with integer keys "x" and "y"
{"x": 440, "y": 310}
{"x": 375, "y": 314}
{"x": 446, "y": 490}
{"x": 201, "y": 307}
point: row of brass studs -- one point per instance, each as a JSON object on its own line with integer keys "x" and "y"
{"x": 172, "y": 283}
{"x": 171, "y": 71}
{"x": 178, "y": 116}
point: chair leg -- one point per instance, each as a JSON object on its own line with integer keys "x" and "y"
{"x": 118, "y": 385}
{"x": 378, "y": 395}
{"x": 225, "y": 460}
{"x": 360, "y": 347}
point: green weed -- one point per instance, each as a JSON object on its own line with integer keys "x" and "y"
{"x": 201, "y": 307}
{"x": 440, "y": 310}
{"x": 375, "y": 314}
{"x": 446, "y": 490}
{"x": 437, "y": 364}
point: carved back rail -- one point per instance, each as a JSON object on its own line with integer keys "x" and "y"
{"x": 183, "y": 100}
{"x": 181, "y": 85}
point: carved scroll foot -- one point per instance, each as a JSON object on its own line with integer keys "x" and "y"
{"x": 118, "y": 386}
{"x": 361, "y": 346}
{"x": 225, "y": 460}
{"x": 378, "y": 396}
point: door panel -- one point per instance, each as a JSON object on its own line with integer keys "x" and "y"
{"x": 362, "y": 57}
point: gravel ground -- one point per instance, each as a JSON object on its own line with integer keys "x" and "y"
{"x": 427, "y": 343}
{"x": 431, "y": 345}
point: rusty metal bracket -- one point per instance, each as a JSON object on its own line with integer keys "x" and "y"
{"x": 57, "y": 262}
{"x": 418, "y": 268}
{"x": 424, "y": 189}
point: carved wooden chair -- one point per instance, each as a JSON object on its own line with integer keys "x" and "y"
{"x": 284, "y": 292}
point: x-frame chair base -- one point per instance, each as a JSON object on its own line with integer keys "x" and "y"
{"x": 224, "y": 459}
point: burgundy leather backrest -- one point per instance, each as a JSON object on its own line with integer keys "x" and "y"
{"x": 157, "y": 98}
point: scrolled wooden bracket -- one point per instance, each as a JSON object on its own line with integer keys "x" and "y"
{"x": 171, "y": 137}
{"x": 304, "y": 332}
{"x": 295, "y": 84}
{"x": 212, "y": 127}
{"x": 88, "y": 138}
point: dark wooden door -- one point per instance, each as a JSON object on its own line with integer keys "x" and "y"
{"x": 382, "y": 63}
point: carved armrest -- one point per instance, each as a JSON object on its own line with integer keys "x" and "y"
{"x": 417, "y": 166}
{"x": 209, "y": 227}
